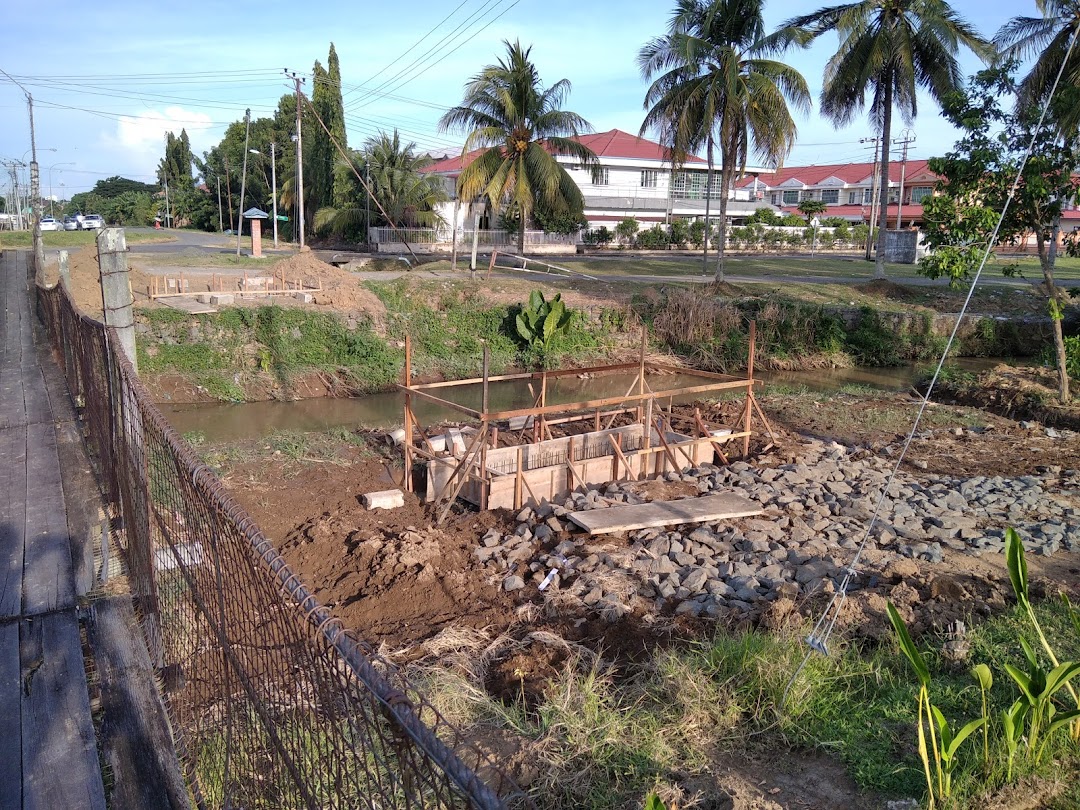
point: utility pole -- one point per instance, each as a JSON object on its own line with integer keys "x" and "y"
{"x": 453, "y": 233}
{"x": 243, "y": 179}
{"x": 367, "y": 202}
{"x": 220, "y": 214}
{"x": 168, "y": 211}
{"x": 273, "y": 185}
{"x": 35, "y": 195}
{"x": 873, "y": 195}
{"x": 299, "y": 155}
{"x": 907, "y": 138}
{"x": 228, "y": 186}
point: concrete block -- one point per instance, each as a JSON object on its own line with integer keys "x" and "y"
{"x": 387, "y": 499}
{"x": 304, "y": 298}
{"x": 203, "y": 298}
{"x": 221, "y": 300}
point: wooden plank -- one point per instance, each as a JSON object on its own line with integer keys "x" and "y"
{"x": 10, "y": 717}
{"x": 136, "y": 740}
{"x": 438, "y": 401}
{"x": 186, "y": 304}
{"x": 48, "y": 582}
{"x": 664, "y": 513}
{"x": 12, "y": 520}
{"x": 59, "y": 750}
{"x": 12, "y": 400}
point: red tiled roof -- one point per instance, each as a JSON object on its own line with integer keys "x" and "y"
{"x": 847, "y": 172}
{"x": 910, "y": 211}
{"x": 611, "y": 144}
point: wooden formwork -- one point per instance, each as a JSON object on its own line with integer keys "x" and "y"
{"x": 541, "y": 466}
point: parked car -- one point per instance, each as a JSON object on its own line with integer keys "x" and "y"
{"x": 50, "y": 224}
{"x": 93, "y": 222}
{"x": 71, "y": 224}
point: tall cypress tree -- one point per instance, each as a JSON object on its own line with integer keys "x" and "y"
{"x": 336, "y": 121}
{"x": 328, "y": 182}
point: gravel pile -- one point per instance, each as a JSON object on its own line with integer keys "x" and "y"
{"x": 817, "y": 512}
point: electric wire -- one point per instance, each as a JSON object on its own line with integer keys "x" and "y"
{"x": 817, "y": 640}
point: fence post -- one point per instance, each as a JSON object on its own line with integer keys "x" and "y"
{"x": 116, "y": 298}
{"x": 475, "y": 240}
{"x": 65, "y": 270}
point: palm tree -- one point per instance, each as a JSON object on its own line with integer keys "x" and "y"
{"x": 1047, "y": 38}
{"x": 401, "y": 193}
{"x": 520, "y": 126}
{"x": 716, "y": 86}
{"x": 890, "y": 48}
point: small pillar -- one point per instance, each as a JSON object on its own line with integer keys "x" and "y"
{"x": 116, "y": 298}
{"x": 65, "y": 268}
{"x": 256, "y": 238}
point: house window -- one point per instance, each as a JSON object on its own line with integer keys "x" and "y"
{"x": 774, "y": 198}
{"x": 648, "y": 178}
{"x": 807, "y": 195}
{"x": 791, "y": 197}
{"x": 866, "y": 196}
{"x": 920, "y": 193}
{"x": 853, "y": 197}
{"x": 601, "y": 178}
{"x": 830, "y": 196}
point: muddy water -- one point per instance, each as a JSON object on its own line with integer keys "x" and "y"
{"x": 228, "y": 422}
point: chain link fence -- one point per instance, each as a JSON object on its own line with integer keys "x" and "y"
{"x": 274, "y": 704}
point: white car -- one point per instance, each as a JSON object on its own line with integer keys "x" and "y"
{"x": 50, "y": 224}
{"x": 93, "y": 222}
{"x": 71, "y": 224}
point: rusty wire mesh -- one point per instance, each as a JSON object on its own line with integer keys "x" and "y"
{"x": 273, "y": 703}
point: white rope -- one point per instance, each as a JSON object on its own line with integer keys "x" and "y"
{"x": 818, "y": 639}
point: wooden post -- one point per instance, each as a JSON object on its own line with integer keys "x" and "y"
{"x": 570, "y": 463}
{"x": 491, "y": 265}
{"x": 596, "y": 421}
{"x": 485, "y": 480}
{"x": 116, "y": 298}
{"x": 646, "y": 439}
{"x": 408, "y": 414}
{"x": 517, "y": 478}
{"x": 641, "y": 372}
{"x": 542, "y": 419}
{"x": 749, "y": 388}
{"x": 495, "y": 437}
{"x": 475, "y": 242}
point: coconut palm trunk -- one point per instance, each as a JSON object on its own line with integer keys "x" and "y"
{"x": 521, "y": 235}
{"x": 708, "y": 200}
{"x": 883, "y": 199}
{"x": 726, "y": 173}
{"x": 1056, "y": 299}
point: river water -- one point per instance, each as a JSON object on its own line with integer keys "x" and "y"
{"x": 224, "y": 422}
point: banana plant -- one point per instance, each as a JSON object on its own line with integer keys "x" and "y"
{"x": 540, "y": 320}
{"x": 1037, "y": 688}
{"x": 1017, "y": 565}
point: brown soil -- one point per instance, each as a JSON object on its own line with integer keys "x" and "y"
{"x": 1018, "y": 393}
{"x": 341, "y": 289}
{"x": 85, "y": 286}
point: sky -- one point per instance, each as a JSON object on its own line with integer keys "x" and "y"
{"x": 108, "y": 86}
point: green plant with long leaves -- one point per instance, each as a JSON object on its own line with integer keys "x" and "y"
{"x": 1018, "y": 576}
{"x": 985, "y": 678}
{"x": 716, "y": 82}
{"x": 1037, "y": 688}
{"x": 519, "y": 126}
{"x": 944, "y": 743}
{"x": 1012, "y": 724}
{"x": 540, "y": 320}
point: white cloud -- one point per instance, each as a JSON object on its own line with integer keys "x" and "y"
{"x": 139, "y": 140}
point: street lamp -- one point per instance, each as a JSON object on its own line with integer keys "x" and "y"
{"x": 66, "y": 163}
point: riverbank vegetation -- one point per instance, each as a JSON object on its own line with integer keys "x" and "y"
{"x": 450, "y": 324}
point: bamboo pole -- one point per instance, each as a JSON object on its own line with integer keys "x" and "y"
{"x": 407, "y": 373}
{"x": 517, "y": 479}
{"x": 485, "y": 479}
{"x": 646, "y": 439}
{"x": 616, "y": 444}
{"x": 482, "y": 437}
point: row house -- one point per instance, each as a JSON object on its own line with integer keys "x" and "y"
{"x": 847, "y": 189}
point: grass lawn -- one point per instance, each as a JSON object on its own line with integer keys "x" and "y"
{"x": 71, "y": 239}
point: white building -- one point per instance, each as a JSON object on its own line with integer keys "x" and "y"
{"x": 636, "y": 180}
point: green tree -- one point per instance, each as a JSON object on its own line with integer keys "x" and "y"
{"x": 175, "y": 167}
{"x": 766, "y": 216}
{"x": 323, "y": 167}
{"x": 520, "y": 126}
{"x": 1047, "y": 39}
{"x": 810, "y": 208}
{"x": 131, "y": 208}
{"x": 889, "y": 48}
{"x": 626, "y": 230}
{"x": 976, "y": 181}
{"x": 116, "y": 185}
{"x": 717, "y": 85}
{"x": 405, "y": 193}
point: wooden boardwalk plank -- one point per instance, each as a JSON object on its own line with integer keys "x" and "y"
{"x": 48, "y": 582}
{"x": 664, "y": 513}
{"x": 12, "y": 520}
{"x": 10, "y": 717}
{"x": 136, "y": 739}
{"x": 12, "y": 400}
{"x": 59, "y": 750}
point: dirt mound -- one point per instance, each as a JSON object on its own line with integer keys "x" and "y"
{"x": 341, "y": 289}
{"x": 85, "y": 283}
{"x": 883, "y": 288}
{"x": 1015, "y": 392}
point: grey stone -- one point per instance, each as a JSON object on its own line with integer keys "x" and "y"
{"x": 513, "y": 583}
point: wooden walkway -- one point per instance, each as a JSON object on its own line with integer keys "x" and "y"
{"x": 48, "y": 750}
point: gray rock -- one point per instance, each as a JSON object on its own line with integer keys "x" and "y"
{"x": 513, "y": 583}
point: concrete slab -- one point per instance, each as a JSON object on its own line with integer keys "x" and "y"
{"x": 386, "y": 499}
{"x": 664, "y": 513}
